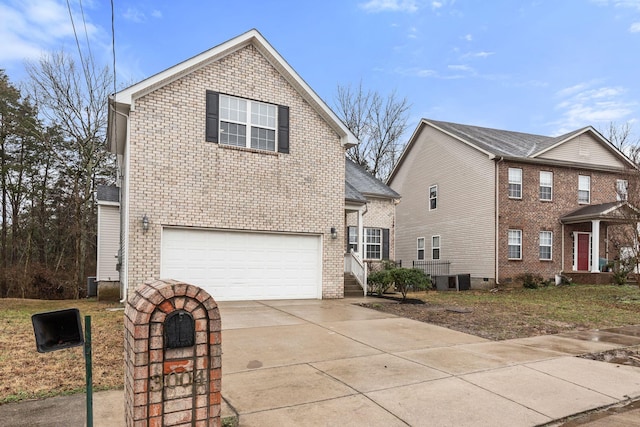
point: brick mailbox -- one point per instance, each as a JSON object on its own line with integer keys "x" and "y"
{"x": 172, "y": 356}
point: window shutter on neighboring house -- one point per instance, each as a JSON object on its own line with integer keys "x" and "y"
{"x": 385, "y": 243}
{"x": 283, "y": 129}
{"x": 212, "y": 116}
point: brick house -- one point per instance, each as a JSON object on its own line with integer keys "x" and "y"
{"x": 496, "y": 204}
{"x": 232, "y": 177}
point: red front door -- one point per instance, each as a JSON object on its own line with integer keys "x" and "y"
{"x": 583, "y": 252}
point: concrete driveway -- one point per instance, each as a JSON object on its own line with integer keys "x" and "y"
{"x": 319, "y": 363}
{"x": 331, "y": 362}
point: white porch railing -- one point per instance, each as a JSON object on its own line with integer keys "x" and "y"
{"x": 353, "y": 264}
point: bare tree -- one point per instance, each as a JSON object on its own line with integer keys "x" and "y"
{"x": 621, "y": 136}
{"x": 379, "y": 124}
{"x": 73, "y": 99}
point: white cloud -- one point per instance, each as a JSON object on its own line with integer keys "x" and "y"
{"x": 460, "y": 68}
{"x": 134, "y": 15}
{"x": 468, "y": 37}
{"x": 156, "y": 14}
{"x": 635, "y": 27}
{"x": 30, "y": 27}
{"x": 481, "y": 54}
{"x": 390, "y": 6}
{"x": 627, "y": 4}
{"x": 588, "y": 104}
{"x": 436, "y": 5}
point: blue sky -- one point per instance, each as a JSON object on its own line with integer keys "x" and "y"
{"x": 545, "y": 67}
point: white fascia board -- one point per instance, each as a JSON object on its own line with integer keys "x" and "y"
{"x": 130, "y": 94}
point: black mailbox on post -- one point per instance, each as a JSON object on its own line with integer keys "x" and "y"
{"x": 56, "y": 330}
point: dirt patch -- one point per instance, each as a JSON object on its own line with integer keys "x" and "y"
{"x": 495, "y": 323}
{"x": 484, "y": 321}
{"x": 621, "y": 356}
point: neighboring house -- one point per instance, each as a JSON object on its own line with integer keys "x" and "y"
{"x": 232, "y": 174}
{"x": 108, "y": 247}
{"x": 496, "y": 204}
{"x": 376, "y": 202}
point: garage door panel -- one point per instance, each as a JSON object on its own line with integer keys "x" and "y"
{"x": 241, "y": 266}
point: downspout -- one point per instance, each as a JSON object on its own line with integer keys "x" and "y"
{"x": 124, "y": 213}
{"x": 497, "y": 219}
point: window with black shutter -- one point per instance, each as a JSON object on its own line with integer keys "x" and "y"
{"x": 246, "y": 123}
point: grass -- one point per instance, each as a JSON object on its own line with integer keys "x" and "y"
{"x": 27, "y": 374}
{"x": 585, "y": 306}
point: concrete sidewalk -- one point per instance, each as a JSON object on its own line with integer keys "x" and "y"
{"x": 330, "y": 362}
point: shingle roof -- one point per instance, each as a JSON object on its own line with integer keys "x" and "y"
{"x": 604, "y": 210}
{"x": 108, "y": 193}
{"x": 502, "y": 142}
{"x": 360, "y": 183}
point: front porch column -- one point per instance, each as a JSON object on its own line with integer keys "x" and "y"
{"x": 595, "y": 246}
{"x": 361, "y": 231}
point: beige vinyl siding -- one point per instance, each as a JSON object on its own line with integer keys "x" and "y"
{"x": 464, "y": 218}
{"x": 584, "y": 149}
{"x": 108, "y": 239}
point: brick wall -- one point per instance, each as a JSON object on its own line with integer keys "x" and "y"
{"x": 178, "y": 179}
{"x": 380, "y": 213}
{"x": 531, "y": 215}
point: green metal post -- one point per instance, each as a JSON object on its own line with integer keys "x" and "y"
{"x": 87, "y": 364}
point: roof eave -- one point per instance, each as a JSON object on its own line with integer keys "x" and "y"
{"x": 130, "y": 94}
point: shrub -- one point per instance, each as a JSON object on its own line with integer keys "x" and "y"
{"x": 409, "y": 279}
{"x": 621, "y": 269}
{"x": 532, "y": 281}
{"x": 380, "y": 281}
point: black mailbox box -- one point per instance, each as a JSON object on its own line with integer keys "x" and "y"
{"x": 56, "y": 330}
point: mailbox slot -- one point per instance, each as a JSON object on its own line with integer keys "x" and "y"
{"x": 179, "y": 330}
{"x": 56, "y": 330}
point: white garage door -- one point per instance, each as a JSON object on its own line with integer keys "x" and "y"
{"x": 243, "y": 266}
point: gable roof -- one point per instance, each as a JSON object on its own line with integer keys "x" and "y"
{"x": 359, "y": 184}
{"x": 504, "y": 143}
{"x": 123, "y": 101}
{"x": 612, "y": 211}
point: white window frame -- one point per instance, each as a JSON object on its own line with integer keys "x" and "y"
{"x": 515, "y": 179}
{"x": 584, "y": 185}
{"x": 352, "y": 238}
{"x": 622, "y": 190}
{"x": 435, "y": 246}
{"x": 546, "y": 181}
{"x": 370, "y": 234}
{"x": 251, "y": 118}
{"x": 513, "y": 234}
{"x": 420, "y": 248}
{"x": 546, "y": 241}
{"x": 433, "y": 197}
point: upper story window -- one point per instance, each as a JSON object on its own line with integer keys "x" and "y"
{"x": 246, "y": 123}
{"x": 515, "y": 183}
{"x": 546, "y": 185}
{"x": 584, "y": 189}
{"x": 435, "y": 247}
{"x": 515, "y": 244}
{"x": 622, "y": 186}
{"x": 433, "y": 197}
{"x": 420, "y": 248}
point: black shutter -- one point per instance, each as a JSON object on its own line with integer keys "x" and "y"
{"x": 211, "y": 134}
{"x": 283, "y": 129}
{"x": 385, "y": 243}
